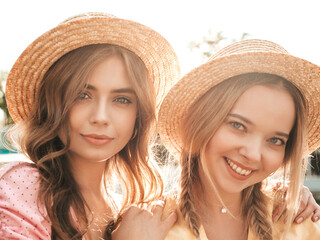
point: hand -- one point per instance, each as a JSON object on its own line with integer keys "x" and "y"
{"x": 143, "y": 224}
{"x": 308, "y": 207}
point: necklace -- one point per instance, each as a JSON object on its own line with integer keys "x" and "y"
{"x": 223, "y": 210}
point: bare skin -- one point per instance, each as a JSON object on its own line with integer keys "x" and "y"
{"x": 216, "y": 224}
{"x": 141, "y": 224}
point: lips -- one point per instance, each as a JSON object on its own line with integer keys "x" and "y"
{"x": 97, "y": 139}
{"x": 237, "y": 169}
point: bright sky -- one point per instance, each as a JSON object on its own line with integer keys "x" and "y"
{"x": 294, "y": 24}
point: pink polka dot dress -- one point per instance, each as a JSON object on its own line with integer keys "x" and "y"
{"x": 21, "y": 217}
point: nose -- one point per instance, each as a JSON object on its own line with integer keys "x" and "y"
{"x": 100, "y": 114}
{"x": 251, "y": 149}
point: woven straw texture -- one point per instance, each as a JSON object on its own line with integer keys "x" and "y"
{"x": 242, "y": 57}
{"x": 90, "y": 28}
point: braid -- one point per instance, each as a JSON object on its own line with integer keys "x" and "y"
{"x": 256, "y": 212}
{"x": 186, "y": 196}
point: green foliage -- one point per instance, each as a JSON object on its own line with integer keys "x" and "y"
{"x": 3, "y": 102}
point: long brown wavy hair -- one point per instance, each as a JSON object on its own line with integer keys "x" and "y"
{"x": 204, "y": 117}
{"x": 38, "y": 139}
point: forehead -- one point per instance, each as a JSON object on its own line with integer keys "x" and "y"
{"x": 267, "y": 106}
{"x": 110, "y": 72}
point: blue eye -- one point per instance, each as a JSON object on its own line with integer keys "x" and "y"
{"x": 83, "y": 96}
{"x": 237, "y": 125}
{"x": 277, "y": 141}
{"x": 123, "y": 100}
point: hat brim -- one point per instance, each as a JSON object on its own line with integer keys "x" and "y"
{"x": 303, "y": 74}
{"x": 25, "y": 76}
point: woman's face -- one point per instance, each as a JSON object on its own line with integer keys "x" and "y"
{"x": 250, "y": 144}
{"x": 103, "y": 117}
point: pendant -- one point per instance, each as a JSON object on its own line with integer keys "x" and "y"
{"x": 223, "y": 210}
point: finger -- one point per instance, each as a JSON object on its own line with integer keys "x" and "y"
{"x": 132, "y": 211}
{"x": 306, "y": 213}
{"x": 157, "y": 210}
{"x": 305, "y": 198}
{"x": 312, "y": 207}
{"x": 302, "y": 207}
{"x": 169, "y": 221}
{"x": 152, "y": 205}
{"x": 316, "y": 215}
{"x": 143, "y": 215}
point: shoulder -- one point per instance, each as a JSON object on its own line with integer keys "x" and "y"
{"x": 14, "y": 169}
{"x": 180, "y": 230}
{"x": 21, "y": 214}
{"x": 19, "y": 177}
{"x": 307, "y": 230}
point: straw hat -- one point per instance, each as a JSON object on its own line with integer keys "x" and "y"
{"x": 238, "y": 58}
{"x": 85, "y": 29}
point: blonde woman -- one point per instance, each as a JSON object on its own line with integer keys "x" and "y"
{"x": 251, "y": 110}
{"x": 84, "y": 97}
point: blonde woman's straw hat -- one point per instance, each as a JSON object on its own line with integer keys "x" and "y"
{"x": 238, "y": 58}
{"x": 86, "y": 29}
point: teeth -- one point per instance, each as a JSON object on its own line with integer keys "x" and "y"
{"x": 238, "y": 169}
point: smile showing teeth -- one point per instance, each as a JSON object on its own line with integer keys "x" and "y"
{"x": 238, "y": 169}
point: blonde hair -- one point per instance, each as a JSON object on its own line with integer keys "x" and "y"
{"x": 205, "y": 116}
{"x": 38, "y": 138}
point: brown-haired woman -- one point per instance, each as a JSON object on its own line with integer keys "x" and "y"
{"x": 84, "y": 97}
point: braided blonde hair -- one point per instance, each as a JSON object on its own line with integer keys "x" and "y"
{"x": 255, "y": 211}
{"x": 204, "y": 117}
{"x": 188, "y": 178}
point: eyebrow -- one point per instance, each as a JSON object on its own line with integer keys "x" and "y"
{"x": 240, "y": 117}
{"x": 118, "y": 90}
{"x": 282, "y": 134}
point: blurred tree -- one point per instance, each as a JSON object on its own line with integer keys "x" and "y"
{"x": 3, "y": 104}
{"x": 212, "y": 42}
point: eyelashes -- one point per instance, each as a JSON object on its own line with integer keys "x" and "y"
{"x": 83, "y": 95}
{"x": 123, "y": 100}
{"x": 237, "y": 125}
{"x": 274, "y": 140}
{"x": 119, "y": 99}
{"x": 277, "y": 141}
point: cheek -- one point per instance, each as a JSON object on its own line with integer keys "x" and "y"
{"x": 273, "y": 162}
{"x": 223, "y": 140}
{"x": 125, "y": 122}
{"x": 76, "y": 119}
{"x": 77, "y": 115}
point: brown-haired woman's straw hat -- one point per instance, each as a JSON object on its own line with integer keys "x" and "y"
{"x": 238, "y": 58}
{"x": 86, "y": 29}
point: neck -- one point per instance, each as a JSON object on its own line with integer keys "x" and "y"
{"x": 215, "y": 198}
{"x": 212, "y": 202}
{"x": 210, "y": 199}
{"x": 88, "y": 175}
{"x": 100, "y": 208}
{"x": 217, "y": 224}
